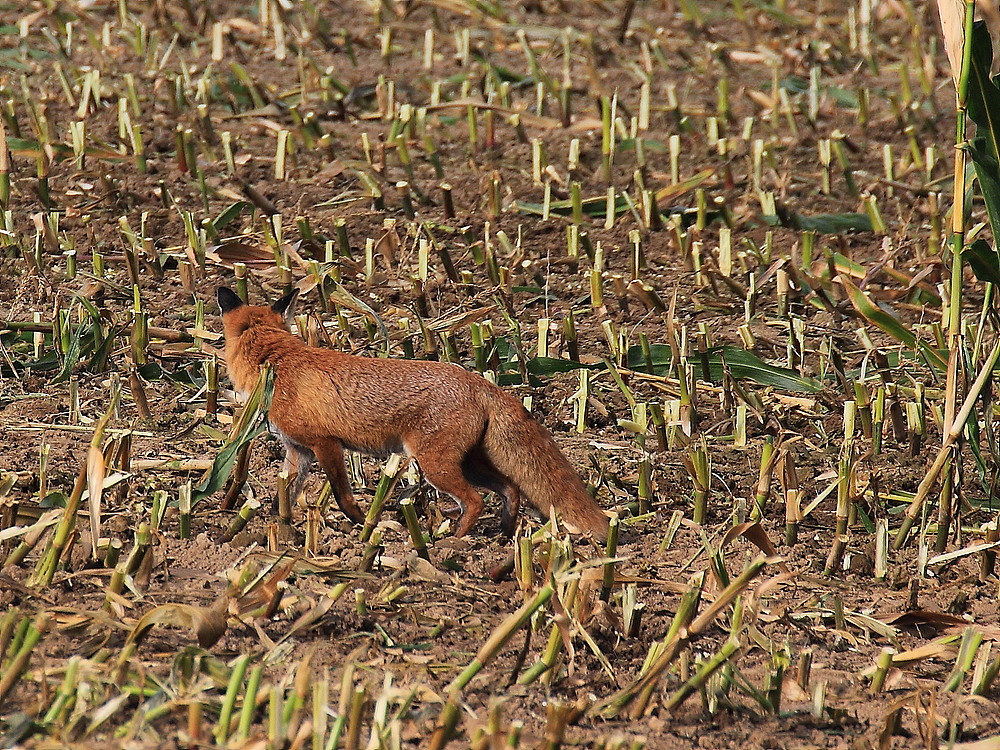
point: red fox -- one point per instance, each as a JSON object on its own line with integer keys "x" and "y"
{"x": 463, "y": 431}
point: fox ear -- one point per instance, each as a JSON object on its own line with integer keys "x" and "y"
{"x": 228, "y": 299}
{"x": 286, "y": 305}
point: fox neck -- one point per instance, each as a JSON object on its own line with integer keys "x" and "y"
{"x": 248, "y": 350}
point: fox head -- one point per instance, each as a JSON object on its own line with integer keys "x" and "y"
{"x": 237, "y": 316}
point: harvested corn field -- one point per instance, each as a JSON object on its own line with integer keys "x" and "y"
{"x": 717, "y": 249}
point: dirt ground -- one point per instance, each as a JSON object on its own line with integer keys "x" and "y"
{"x": 416, "y": 625}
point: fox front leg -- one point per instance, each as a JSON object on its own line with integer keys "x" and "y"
{"x": 297, "y": 465}
{"x": 330, "y": 455}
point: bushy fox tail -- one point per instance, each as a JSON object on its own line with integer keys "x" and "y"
{"x": 524, "y": 451}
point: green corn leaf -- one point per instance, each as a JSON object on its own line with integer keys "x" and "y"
{"x": 251, "y": 423}
{"x": 544, "y": 366}
{"x": 747, "y": 365}
{"x": 341, "y": 296}
{"x": 73, "y": 353}
{"x": 740, "y": 364}
{"x": 822, "y": 223}
{"x": 984, "y": 109}
{"x": 984, "y": 261}
{"x": 229, "y": 214}
{"x": 887, "y": 323}
{"x": 595, "y": 207}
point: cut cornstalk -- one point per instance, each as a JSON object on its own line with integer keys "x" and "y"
{"x": 499, "y": 637}
{"x": 610, "y": 550}
{"x": 972, "y": 638}
{"x": 447, "y": 722}
{"x": 13, "y": 671}
{"x": 45, "y": 569}
{"x": 705, "y": 670}
{"x": 249, "y": 707}
{"x": 636, "y": 695}
{"x": 413, "y": 527}
{"x": 700, "y": 471}
{"x": 882, "y": 665}
{"x": 845, "y": 499}
{"x": 391, "y": 473}
{"x": 764, "y": 476}
{"x": 222, "y": 728}
{"x": 953, "y": 433}
{"x": 249, "y": 509}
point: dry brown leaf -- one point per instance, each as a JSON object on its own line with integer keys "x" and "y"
{"x": 207, "y": 623}
{"x": 454, "y": 321}
{"x": 95, "y": 487}
{"x": 310, "y": 618}
{"x": 240, "y": 252}
{"x": 7, "y": 482}
{"x": 266, "y": 592}
{"x": 792, "y": 691}
{"x": 78, "y": 621}
{"x": 943, "y": 648}
{"x": 244, "y": 26}
{"x": 773, "y": 583}
{"x": 322, "y": 566}
{"x": 684, "y": 186}
{"x": 388, "y": 246}
{"x": 761, "y": 99}
{"x": 751, "y": 57}
{"x": 203, "y": 334}
{"x": 754, "y": 533}
{"x": 596, "y": 575}
{"x": 422, "y": 570}
{"x": 32, "y": 532}
{"x": 952, "y": 14}
{"x": 990, "y": 743}
{"x": 334, "y": 169}
{"x": 964, "y": 552}
{"x": 920, "y": 617}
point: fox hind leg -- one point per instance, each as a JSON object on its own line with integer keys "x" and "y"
{"x": 298, "y": 464}
{"x": 330, "y": 454}
{"x": 480, "y": 472}
{"x": 444, "y": 471}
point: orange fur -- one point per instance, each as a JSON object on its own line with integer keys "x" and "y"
{"x": 463, "y": 431}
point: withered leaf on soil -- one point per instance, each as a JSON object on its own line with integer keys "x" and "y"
{"x": 95, "y": 488}
{"x": 265, "y": 592}
{"x": 388, "y": 246}
{"x": 458, "y": 320}
{"x": 320, "y": 566}
{"x": 754, "y": 533}
{"x": 917, "y": 618}
{"x": 422, "y": 570}
{"x": 207, "y": 623}
{"x": 942, "y": 648}
{"x": 241, "y": 252}
{"x": 310, "y": 618}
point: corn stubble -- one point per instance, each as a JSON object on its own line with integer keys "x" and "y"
{"x": 747, "y": 365}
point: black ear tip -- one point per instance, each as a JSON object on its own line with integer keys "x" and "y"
{"x": 228, "y": 299}
{"x": 285, "y": 302}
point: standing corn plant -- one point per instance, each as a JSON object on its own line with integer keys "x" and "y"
{"x": 977, "y": 97}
